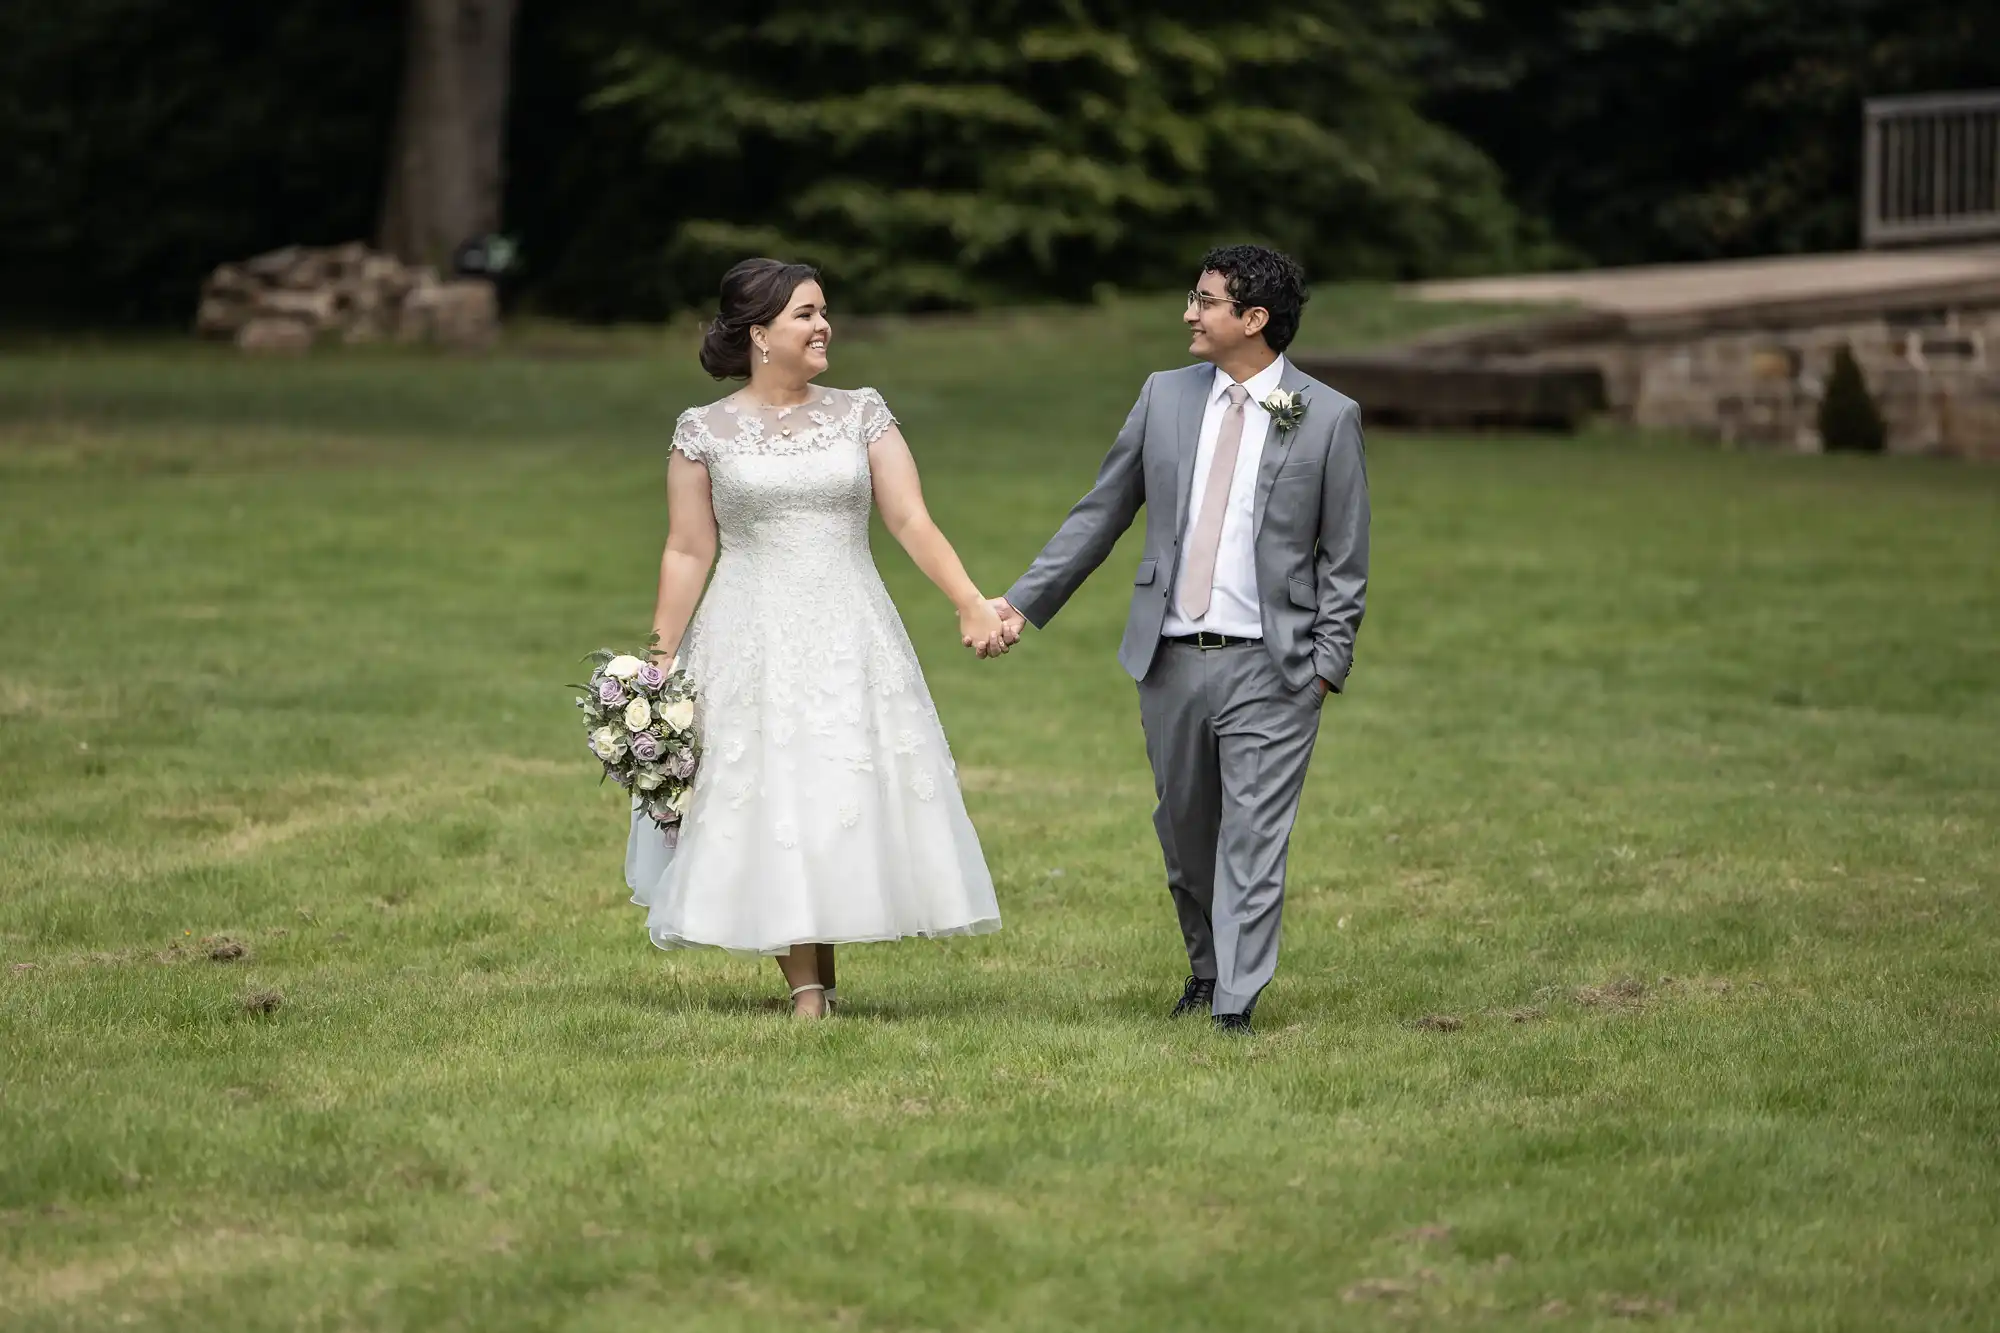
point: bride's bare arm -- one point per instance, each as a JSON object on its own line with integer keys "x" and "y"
{"x": 900, "y": 496}
{"x": 690, "y": 551}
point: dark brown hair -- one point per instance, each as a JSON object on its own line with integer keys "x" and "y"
{"x": 755, "y": 292}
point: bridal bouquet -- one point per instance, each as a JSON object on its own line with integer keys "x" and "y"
{"x": 640, "y": 721}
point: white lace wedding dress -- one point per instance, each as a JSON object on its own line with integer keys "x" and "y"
{"x": 827, "y": 807}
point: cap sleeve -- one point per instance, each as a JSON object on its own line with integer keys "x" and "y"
{"x": 874, "y": 413}
{"x": 691, "y": 436}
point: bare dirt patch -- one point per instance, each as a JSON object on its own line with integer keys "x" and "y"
{"x": 1621, "y": 993}
{"x": 1378, "y": 1289}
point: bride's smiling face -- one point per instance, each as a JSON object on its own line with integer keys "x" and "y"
{"x": 797, "y": 338}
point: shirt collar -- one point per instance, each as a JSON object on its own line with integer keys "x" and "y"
{"x": 1261, "y": 385}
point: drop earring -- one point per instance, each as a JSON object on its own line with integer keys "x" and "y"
{"x": 767, "y": 354}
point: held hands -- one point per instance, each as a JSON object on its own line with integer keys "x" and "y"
{"x": 979, "y": 629}
{"x": 990, "y": 627}
{"x": 1012, "y": 621}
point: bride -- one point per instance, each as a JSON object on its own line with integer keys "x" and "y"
{"x": 827, "y": 809}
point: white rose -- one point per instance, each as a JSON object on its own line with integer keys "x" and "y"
{"x": 638, "y": 715}
{"x": 624, "y": 666}
{"x": 606, "y": 743}
{"x": 679, "y": 716}
{"x": 679, "y": 803}
{"x": 650, "y": 781}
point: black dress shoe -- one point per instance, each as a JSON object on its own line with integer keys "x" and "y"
{"x": 1198, "y": 995}
{"x": 1236, "y": 1025}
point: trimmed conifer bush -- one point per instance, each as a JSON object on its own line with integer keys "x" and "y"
{"x": 1849, "y": 420}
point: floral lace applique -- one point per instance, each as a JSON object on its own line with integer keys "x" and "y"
{"x": 750, "y": 428}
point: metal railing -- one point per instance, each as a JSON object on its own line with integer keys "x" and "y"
{"x": 1930, "y": 168}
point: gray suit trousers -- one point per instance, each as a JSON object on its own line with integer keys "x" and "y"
{"x": 1229, "y": 742}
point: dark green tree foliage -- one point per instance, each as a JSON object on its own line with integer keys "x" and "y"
{"x": 1695, "y": 129}
{"x": 144, "y": 141}
{"x": 592, "y": 212}
{"x": 937, "y": 153}
{"x": 1849, "y": 421}
{"x": 932, "y": 153}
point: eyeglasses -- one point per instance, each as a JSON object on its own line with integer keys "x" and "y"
{"x": 1204, "y": 300}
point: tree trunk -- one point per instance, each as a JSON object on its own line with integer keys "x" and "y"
{"x": 445, "y": 159}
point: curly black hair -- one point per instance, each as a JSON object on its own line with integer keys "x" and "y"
{"x": 1257, "y": 275}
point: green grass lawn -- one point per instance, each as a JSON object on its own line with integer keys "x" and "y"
{"x": 1640, "y": 957}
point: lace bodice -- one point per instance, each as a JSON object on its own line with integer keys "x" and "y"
{"x": 790, "y": 485}
{"x": 792, "y": 491}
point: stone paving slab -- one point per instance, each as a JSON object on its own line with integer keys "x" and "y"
{"x": 1670, "y": 289}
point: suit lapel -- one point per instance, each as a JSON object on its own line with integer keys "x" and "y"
{"x": 1187, "y": 437}
{"x": 1276, "y": 447}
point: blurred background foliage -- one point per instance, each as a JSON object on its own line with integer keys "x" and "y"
{"x": 940, "y": 154}
{"x": 1694, "y": 129}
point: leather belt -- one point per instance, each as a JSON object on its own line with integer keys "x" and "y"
{"x": 1205, "y": 640}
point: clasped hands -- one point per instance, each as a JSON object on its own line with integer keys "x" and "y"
{"x": 990, "y": 627}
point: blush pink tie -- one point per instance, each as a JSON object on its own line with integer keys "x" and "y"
{"x": 1198, "y": 573}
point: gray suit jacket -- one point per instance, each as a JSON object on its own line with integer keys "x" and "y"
{"x": 1311, "y": 525}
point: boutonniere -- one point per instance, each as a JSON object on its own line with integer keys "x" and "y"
{"x": 1287, "y": 409}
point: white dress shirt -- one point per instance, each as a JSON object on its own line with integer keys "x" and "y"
{"x": 1232, "y": 604}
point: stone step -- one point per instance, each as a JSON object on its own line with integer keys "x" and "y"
{"x": 1415, "y": 389}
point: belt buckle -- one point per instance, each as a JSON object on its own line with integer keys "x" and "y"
{"x": 1205, "y": 640}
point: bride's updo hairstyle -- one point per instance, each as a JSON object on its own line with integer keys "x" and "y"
{"x": 755, "y": 292}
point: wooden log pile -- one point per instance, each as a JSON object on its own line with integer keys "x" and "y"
{"x": 289, "y": 299}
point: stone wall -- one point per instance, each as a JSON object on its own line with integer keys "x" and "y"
{"x": 1935, "y": 373}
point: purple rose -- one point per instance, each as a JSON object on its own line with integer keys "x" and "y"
{"x": 651, "y": 676}
{"x": 682, "y": 765}
{"x": 610, "y": 693}
{"x": 645, "y": 747}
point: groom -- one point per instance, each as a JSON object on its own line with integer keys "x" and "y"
{"x": 1244, "y": 605}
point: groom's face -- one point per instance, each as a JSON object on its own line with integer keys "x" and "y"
{"x": 1216, "y": 327}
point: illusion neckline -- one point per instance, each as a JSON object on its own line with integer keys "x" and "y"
{"x": 819, "y": 397}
